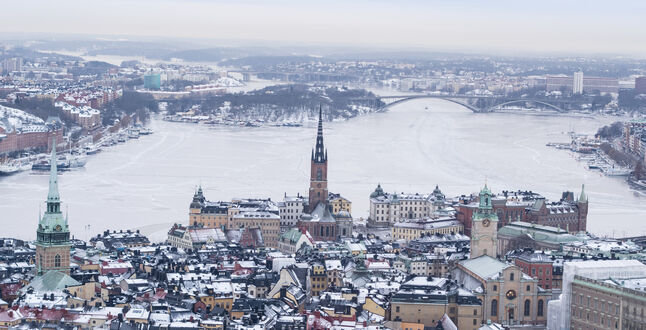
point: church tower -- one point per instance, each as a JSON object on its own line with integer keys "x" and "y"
{"x": 484, "y": 228}
{"x": 318, "y": 178}
{"x": 53, "y": 234}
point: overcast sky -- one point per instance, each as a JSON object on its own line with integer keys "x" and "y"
{"x": 518, "y": 26}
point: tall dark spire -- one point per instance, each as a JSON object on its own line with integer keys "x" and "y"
{"x": 320, "y": 154}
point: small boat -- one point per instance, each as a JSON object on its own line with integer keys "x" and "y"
{"x": 145, "y": 131}
{"x": 593, "y": 165}
{"x": 91, "y": 149}
{"x": 133, "y": 134}
{"x": 45, "y": 166}
{"x": 122, "y": 138}
{"x": 617, "y": 171}
{"x": 75, "y": 161}
{"x": 8, "y": 169}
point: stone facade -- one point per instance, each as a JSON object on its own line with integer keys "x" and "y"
{"x": 414, "y": 229}
{"x": 387, "y": 209}
{"x": 609, "y": 304}
{"x": 508, "y": 295}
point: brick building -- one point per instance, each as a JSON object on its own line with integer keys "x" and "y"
{"x": 539, "y": 266}
{"x": 527, "y": 206}
{"x": 32, "y": 136}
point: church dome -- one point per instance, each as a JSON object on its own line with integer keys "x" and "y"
{"x": 343, "y": 215}
{"x": 378, "y": 192}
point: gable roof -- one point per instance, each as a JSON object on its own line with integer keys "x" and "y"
{"x": 484, "y": 266}
{"x": 52, "y": 281}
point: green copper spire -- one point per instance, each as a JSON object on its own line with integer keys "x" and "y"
{"x": 583, "y": 198}
{"x": 53, "y": 195}
{"x": 485, "y": 208}
{"x": 485, "y": 198}
{"x": 53, "y": 221}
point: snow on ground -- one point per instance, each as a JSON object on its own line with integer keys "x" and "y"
{"x": 16, "y": 118}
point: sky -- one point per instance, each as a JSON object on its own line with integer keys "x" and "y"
{"x": 545, "y": 26}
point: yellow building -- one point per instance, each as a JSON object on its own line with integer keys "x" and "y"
{"x": 424, "y": 300}
{"x": 318, "y": 278}
{"x": 206, "y": 214}
{"x": 269, "y": 224}
{"x": 507, "y": 294}
{"x": 339, "y": 203}
{"x": 413, "y": 229}
{"x": 375, "y": 305}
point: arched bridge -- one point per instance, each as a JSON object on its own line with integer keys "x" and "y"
{"x": 475, "y": 103}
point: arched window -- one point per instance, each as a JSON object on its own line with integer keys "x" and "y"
{"x": 527, "y": 306}
{"x": 327, "y": 231}
{"x": 319, "y": 175}
{"x": 57, "y": 261}
{"x": 321, "y": 231}
{"x": 540, "y": 308}
{"x": 511, "y": 276}
{"x": 494, "y": 307}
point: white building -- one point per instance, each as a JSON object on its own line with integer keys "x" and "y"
{"x": 290, "y": 210}
{"x": 194, "y": 237}
{"x": 577, "y": 84}
{"x": 387, "y": 209}
{"x": 558, "y": 311}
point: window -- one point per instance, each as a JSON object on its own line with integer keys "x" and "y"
{"x": 540, "y": 308}
{"x": 475, "y": 312}
{"x": 527, "y": 306}
{"x": 475, "y": 321}
{"x": 57, "y": 261}
{"x": 511, "y": 276}
{"x": 397, "y": 309}
{"x": 494, "y": 307}
{"x": 495, "y": 288}
{"x": 529, "y": 288}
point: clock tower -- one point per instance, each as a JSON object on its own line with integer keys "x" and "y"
{"x": 484, "y": 228}
{"x": 53, "y": 234}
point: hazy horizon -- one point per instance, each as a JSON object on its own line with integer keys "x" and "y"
{"x": 502, "y": 27}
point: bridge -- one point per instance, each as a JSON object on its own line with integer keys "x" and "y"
{"x": 475, "y": 103}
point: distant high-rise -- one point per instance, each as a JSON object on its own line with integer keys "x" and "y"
{"x": 152, "y": 81}
{"x": 577, "y": 83}
{"x": 12, "y": 64}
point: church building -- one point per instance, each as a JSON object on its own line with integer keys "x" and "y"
{"x": 321, "y": 220}
{"x": 53, "y": 233}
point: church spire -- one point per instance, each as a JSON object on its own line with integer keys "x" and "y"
{"x": 53, "y": 197}
{"x": 583, "y": 198}
{"x": 319, "y": 155}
